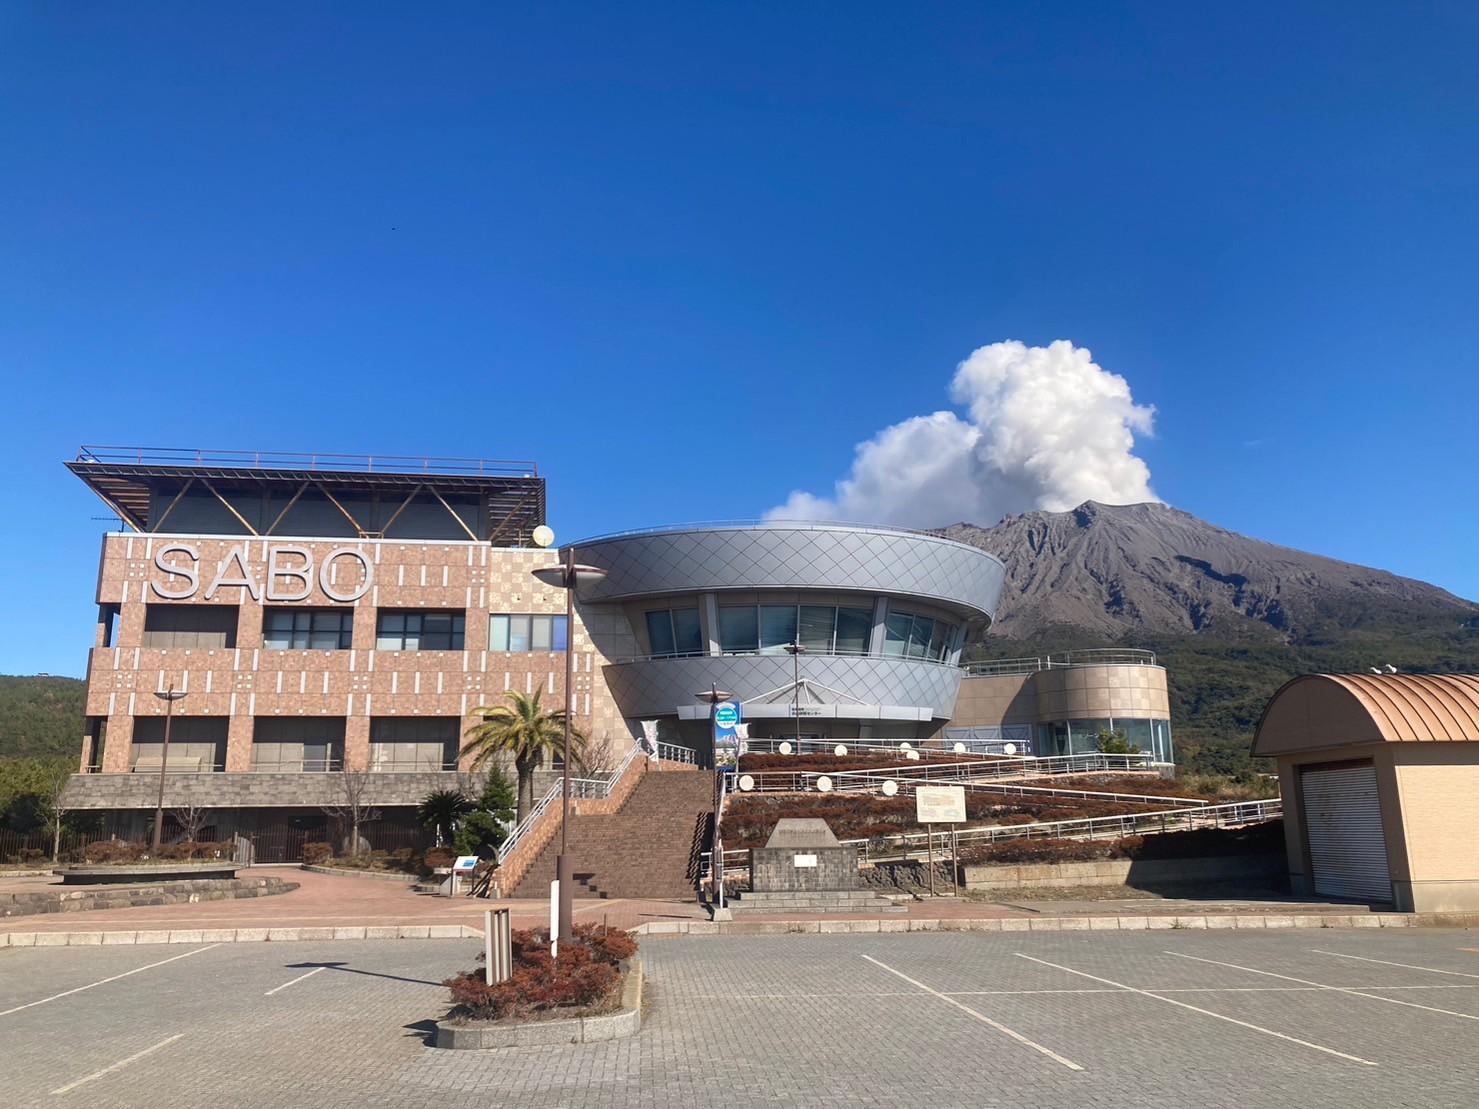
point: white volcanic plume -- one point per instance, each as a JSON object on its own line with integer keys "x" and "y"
{"x": 1044, "y": 428}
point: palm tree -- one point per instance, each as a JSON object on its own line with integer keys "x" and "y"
{"x": 523, "y": 729}
{"x": 441, "y": 810}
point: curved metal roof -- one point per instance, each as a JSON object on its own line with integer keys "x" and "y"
{"x": 1321, "y": 711}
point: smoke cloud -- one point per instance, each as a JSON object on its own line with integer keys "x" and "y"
{"x": 1043, "y": 428}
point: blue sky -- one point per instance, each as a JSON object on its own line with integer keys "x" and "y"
{"x": 688, "y": 256}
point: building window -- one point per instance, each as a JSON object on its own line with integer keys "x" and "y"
{"x": 854, "y": 630}
{"x": 196, "y": 743}
{"x": 526, "y": 632}
{"x": 908, "y": 635}
{"x": 420, "y": 631}
{"x": 821, "y": 629}
{"x": 674, "y": 633}
{"x": 739, "y": 629}
{"x": 413, "y": 743}
{"x": 192, "y": 626}
{"x": 301, "y": 629}
{"x": 298, "y": 744}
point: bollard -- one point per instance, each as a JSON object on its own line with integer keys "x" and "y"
{"x": 498, "y": 946}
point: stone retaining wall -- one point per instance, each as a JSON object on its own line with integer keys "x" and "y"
{"x": 1124, "y": 872}
{"x": 75, "y": 899}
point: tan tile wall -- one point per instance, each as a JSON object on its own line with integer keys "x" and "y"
{"x": 1438, "y": 784}
{"x": 1075, "y": 693}
{"x": 248, "y": 681}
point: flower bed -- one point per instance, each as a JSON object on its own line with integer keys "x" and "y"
{"x": 116, "y": 851}
{"x": 584, "y": 981}
{"x": 749, "y": 819}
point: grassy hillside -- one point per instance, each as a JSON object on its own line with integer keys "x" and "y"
{"x": 40, "y": 717}
{"x": 1219, "y": 689}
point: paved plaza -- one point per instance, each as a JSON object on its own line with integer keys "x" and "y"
{"x": 1335, "y": 1017}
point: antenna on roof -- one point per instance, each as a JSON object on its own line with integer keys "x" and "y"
{"x": 1374, "y": 670}
{"x": 1390, "y": 669}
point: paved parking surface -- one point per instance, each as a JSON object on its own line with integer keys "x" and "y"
{"x": 1319, "y": 1017}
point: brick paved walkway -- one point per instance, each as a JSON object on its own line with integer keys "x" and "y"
{"x": 1323, "y": 1018}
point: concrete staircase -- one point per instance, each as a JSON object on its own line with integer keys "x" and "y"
{"x": 814, "y": 901}
{"x": 644, "y": 849}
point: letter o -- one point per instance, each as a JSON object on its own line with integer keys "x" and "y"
{"x": 325, "y": 569}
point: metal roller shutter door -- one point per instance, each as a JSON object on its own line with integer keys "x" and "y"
{"x": 1342, "y": 817}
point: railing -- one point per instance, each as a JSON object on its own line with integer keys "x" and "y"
{"x": 1097, "y": 656}
{"x": 789, "y": 525}
{"x": 672, "y": 752}
{"x": 902, "y": 846}
{"x": 1001, "y": 769}
{"x": 854, "y": 747}
{"x": 580, "y": 788}
{"x": 523, "y": 827}
{"x": 779, "y": 652}
{"x": 295, "y": 460}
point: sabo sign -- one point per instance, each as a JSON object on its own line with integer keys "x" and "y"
{"x": 290, "y": 580}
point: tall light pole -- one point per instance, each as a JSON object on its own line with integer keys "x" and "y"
{"x": 169, "y": 697}
{"x": 796, "y": 650}
{"x": 567, "y": 576}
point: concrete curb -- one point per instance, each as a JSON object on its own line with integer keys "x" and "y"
{"x": 1058, "y": 924}
{"x": 240, "y": 935}
{"x": 346, "y": 872}
{"x": 578, "y": 1030}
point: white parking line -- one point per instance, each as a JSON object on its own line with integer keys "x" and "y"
{"x": 1353, "y": 991}
{"x": 300, "y": 978}
{"x": 105, "y": 981}
{"x": 982, "y": 1017}
{"x": 111, "y": 1067}
{"x": 1204, "y": 1012}
{"x": 1389, "y": 963}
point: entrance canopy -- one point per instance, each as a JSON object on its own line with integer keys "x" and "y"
{"x": 1328, "y": 711}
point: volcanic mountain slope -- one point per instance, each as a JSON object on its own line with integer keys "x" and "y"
{"x": 1121, "y": 572}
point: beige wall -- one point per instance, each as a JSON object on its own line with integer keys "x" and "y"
{"x": 248, "y": 681}
{"x": 1430, "y": 817}
{"x": 1437, "y": 786}
{"x": 1076, "y": 692}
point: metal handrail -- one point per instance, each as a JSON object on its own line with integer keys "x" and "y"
{"x": 857, "y": 747}
{"x": 1226, "y": 815}
{"x": 1093, "y": 656}
{"x": 788, "y": 525}
{"x": 673, "y": 752}
{"x": 581, "y": 788}
{"x": 302, "y": 460}
{"x": 1005, "y": 768}
{"x": 777, "y": 652}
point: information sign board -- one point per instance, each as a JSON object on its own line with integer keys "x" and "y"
{"x": 939, "y": 804}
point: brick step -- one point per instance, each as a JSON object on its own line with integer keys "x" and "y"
{"x": 641, "y": 850}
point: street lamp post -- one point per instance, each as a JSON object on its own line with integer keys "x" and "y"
{"x": 169, "y": 697}
{"x": 567, "y": 575}
{"x": 796, "y": 650}
{"x": 715, "y": 697}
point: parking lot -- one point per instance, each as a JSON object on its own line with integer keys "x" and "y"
{"x": 1359, "y": 1017}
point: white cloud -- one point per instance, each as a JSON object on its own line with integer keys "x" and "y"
{"x": 1044, "y": 428}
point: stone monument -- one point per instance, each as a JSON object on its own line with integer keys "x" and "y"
{"x": 803, "y": 869}
{"x": 802, "y": 854}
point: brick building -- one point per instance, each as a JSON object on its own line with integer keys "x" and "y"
{"x": 324, "y": 615}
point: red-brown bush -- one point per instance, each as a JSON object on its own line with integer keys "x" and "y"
{"x": 316, "y": 853}
{"x": 114, "y": 851}
{"x": 584, "y": 976}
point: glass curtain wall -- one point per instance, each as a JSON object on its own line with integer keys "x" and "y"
{"x": 767, "y": 629}
{"x": 1081, "y": 737}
